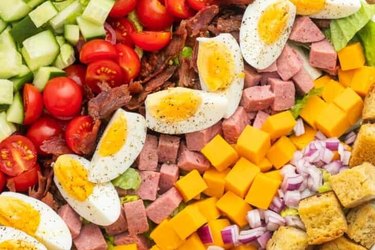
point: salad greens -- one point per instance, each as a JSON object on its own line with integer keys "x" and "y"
{"x": 300, "y": 103}
{"x": 289, "y": 212}
{"x": 130, "y": 179}
{"x": 367, "y": 37}
{"x": 129, "y": 198}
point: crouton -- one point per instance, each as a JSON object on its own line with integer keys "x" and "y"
{"x": 364, "y": 147}
{"x": 288, "y": 238}
{"x": 341, "y": 243}
{"x": 368, "y": 113}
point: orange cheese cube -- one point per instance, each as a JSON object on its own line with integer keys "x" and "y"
{"x": 245, "y": 247}
{"x": 331, "y": 90}
{"x": 275, "y": 174}
{"x": 281, "y": 152}
{"x": 312, "y": 109}
{"x": 215, "y": 227}
{"x": 208, "y": 208}
{"x": 265, "y": 165}
{"x": 193, "y": 242}
{"x": 303, "y": 140}
{"x": 187, "y": 221}
{"x": 155, "y": 247}
{"x": 345, "y": 77}
{"x": 215, "y": 181}
{"x": 220, "y": 153}
{"x": 126, "y": 247}
{"x": 262, "y": 191}
{"x": 191, "y": 185}
{"x": 240, "y": 177}
{"x": 234, "y": 207}
{"x": 279, "y": 124}
{"x": 253, "y": 144}
{"x": 332, "y": 121}
{"x": 351, "y": 103}
{"x": 352, "y": 56}
{"x": 322, "y": 81}
{"x": 363, "y": 79}
{"x": 165, "y": 236}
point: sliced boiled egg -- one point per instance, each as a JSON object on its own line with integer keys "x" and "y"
{"x": 36, "y": 219}
{"x": 182, "y": 110}
{"x": 11, "y": 238}
{"x": 120, "y": 145}
{"x": 97, "y": 203}
{"x": 265, "y": 29}
{"x": 221, "y": 68}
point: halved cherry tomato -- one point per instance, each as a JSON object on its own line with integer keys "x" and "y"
{"x": 17, "y": 155}
{"x": 199, "y": 4}
{"x": 77, "y": 129}
{"x": 25, "y": 180}
{"x": 129, "y": 61}
{"x": 122, "y": 8}
{"x": 104, "y": 71}
{"x": 151, "y": 40}
{"x": 97, "y": 49}
{"x": 43, "y": 129}
{"x": 33, "y": 103}
{"x": 153, "y": 15}
{"x": 179, "y": 8}
{"x": 3, "y": 180}
{"x": 123, "y": 28}
{"x": 77, "y": 73}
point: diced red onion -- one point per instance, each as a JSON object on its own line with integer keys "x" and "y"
{"x": 292, "y": 198}
{"x": 319, "y": 164}
{"x": 277, "y": 204}
{"x": 332, "y": 144}
{"x": 316, "y": 178}
{"x": 343, "y": 169}
{"x": 327, "y": 156}
{"x": 311, "y": 152}
{"x": 315, "y": 157}
{"x": 296, "y": 157}
{"x": 205, "y": 235}
{"x": 272, "y": 226}
{"x": 345, "y": 157}
{"x": 320, "y": 136}
{"x": 302, "y": 166}
{"x": 261, "y": 212}
{"x": 248, "y": 236}
{"x": 294, "y": 221}
{"x": 299, "y": 129}
{"x": 253, "y": 217}
{"x": 112, "y": 33}
{"x": 263, "y": 239}
{"x": 280, "y": 193}
{"x": 288, "y": 170}
{"x": 333, "y": 167}
{"x": 292, "y": 183}
{"x": 350, "y": 138}
{"x": 303, "y": 185}
{"x": 306, "y": 193}
{"x": 230, "y": 234}
{"x": 215, "y": 248}
{"x": 273, "y": 217}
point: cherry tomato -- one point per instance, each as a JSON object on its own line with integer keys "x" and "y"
{"x": 77, "y": 73}
{"x": 25, "y": 180}
{"x": 17, "y": 155}
{"x": 76, "y": 130}
{"x": 153, "y": 15}
{"x": 62, "y": 98}
{"x": 43, "y": 129}
{"x": 129, "y": 61}
{"x": 122, "y": 8}
{"x": 33, "y": 103}
{"x": 123, "y": 28}
{"x": 104, "y": 71}
{"x": 199, "y": 4}
{"x": 97, "y": 49}
{"x": 3, "y": 180}
{"x": 179, "y": 8}
{"x": 151, "y": 40}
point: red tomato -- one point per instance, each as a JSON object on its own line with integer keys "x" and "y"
{"x": 151, "y": 40}
{"x": 32, "y": 102}
{"x": 77, "y": 129}
{"x": 104, "y": 71}
{"x": 199, "y": 4}
{"x": 43, "y": 129}
{"x": 17, "y": 155}
{"x": 129, "y": 61}
{"x": 77, "y": 73}
{"x": 25, "y": 180}
{"x": 62, "y": 98}
{"x": 3, "y": 180}
{"x": 97, "y": 49}
{"x": 179, "y": 8}
{"x": 123, "y": 28}
{"x": 122, "y": 8}
{"x": 153, "y": 15}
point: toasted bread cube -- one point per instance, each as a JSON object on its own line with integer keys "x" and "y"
{"x": 368, "y": 113}
{"x": 341, "y": 243}
{"x": 288, "y": 238}
{"x": 364, "y": 146}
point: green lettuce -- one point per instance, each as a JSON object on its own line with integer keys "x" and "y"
{"x": 128, "y": 198}
{"x": 130, "y": 179}
{"x": 134, "y": 19}
{"x": 300, "y": 103}
{"x": 289, "y": 212}
{"x": 367, "y": 37}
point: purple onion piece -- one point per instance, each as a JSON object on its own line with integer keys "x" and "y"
{"x": 248, "y": 236}
{"x": 205, "y": 235}
{"x": 263, "y": 239}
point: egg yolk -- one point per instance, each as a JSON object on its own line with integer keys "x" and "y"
{"x": 114, "y": 138}
{"x": 18, "y": 214}
{"x": 273, "y": 22}
{"x": 17, "y": 245}
{"x": 177, "y": 106}
{"x": 216, "y": 65}
{"x": 73, "y": 178}
{"x": 309, "y": 7}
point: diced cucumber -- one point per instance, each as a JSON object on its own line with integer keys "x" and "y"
{"x": 43, "y": 13}
{"x": 6, "y": 92}
{"x": 90, "y": 30}
{"x": 44, "y": 74}
{"x": 15, "y": 112}
{"x": 60, "y": 40}
{"x": 71, "y": 33}
{"x": 40, "y": 50}
{"x": 6, "y": 128}
{"x": 20, "y": 81}
{"x": 13, "y": 10}
{"x": 97, "y": 11}
{"x": 10, "y": 59}
{"x": 24, "y": 29}
{"x": 33, "y": 3}
{"x": 66, "y": 57}
{"x": 66, "y": 16}
{"x": 62, "y": 5}
{"x": 3, "y": 25}
{"x": 6, "y": 40}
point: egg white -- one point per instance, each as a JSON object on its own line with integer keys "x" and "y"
{"x": 9, "y": 233}
{"x": 52, "y": 230}
{"x": 335, "y": 9}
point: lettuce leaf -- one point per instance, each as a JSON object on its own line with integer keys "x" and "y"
{"x": 300, "y": 103}
{"x": 130, "y": 179}
{"x": 367, "y": 37}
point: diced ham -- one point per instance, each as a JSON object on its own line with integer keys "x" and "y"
{"x": 148, "y": 158}
{"x": 323, "y": 55}
{"x": 163, "y": 206}
{"x": 149, "y": 186}
{"x": 127, "y": 239}
{"x": 304, "y": 82}
{"x": 252, "y": 78}
{"x": 284, "y": 94}
{"x": 190, "y": 160}
{"x": 260, "y": 119}
{"x": 135, "y": 213}
{"x": 71, "y": 219}
{"x": 168, "y": 148}
{"x": 119, "y": 226}
{"x": 271, "y": 68}
{"x": 257, "y": 98}
{"x": 251, "y": 115}
{"x": 90, "y": 238}
{"x": 169, "y": 174}
{"x": 233, "y": 126}
{"x": 197, "y": 140}
{"x": 305, "y": 31}
{"x": 267, "y": 75}
{"x": 288, "y": 64}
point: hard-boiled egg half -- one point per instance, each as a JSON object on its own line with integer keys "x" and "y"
{"x": 36, "y": 219}
{"x": 11, "y": 238}
{"x": 265, "y": 29}
{"x": 221, "y": 68}
{"x": 327, "y": 9}
{"x": 182, "y": 110}
{"x": 97, "y": 203}
{"x": 120, "y": 145}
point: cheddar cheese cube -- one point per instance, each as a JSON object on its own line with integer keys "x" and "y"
{"x": 275, "y": 174}
{"x": 303, "y": 140}
{"x": 126, "y": 247}
{"x": 215, "y": 181}
{"x": 331, "y": 90}
{"x": 322, "y": 81}
{"x": 332, "y": 121}
{"x": 165, "y": 236}
{"x": 234, "y": 207}
{"x": 281, "y": 152}
{"x": 191, "y": 185}
{"x": 352, "y": 56}
{"x": 155, "y": 247}
{"x": 262, "y": 191}
{"x": 264, "y": 165}
{"x": 345, "y": 77}
{"x": 215, "y": 227}
{"x": 208, "y": 208}
{"x": 187, "y": 221}
{"x": 363, "y": 79}
{"x": 193, "y": 242}
{"x": 279, "y": 124}
{"x": 220, "y": 153}
{"x": 245, "y": 247}
{"x": 253, "y": 144}
{"x": 312, "y": 109}
{"x": 240, "y": 177}
{"x": 351, "y": 103}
